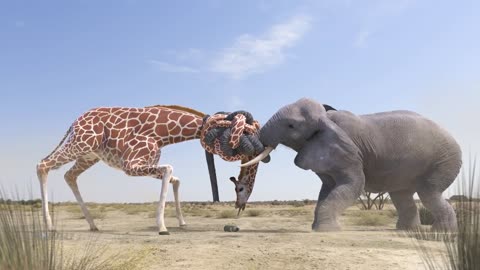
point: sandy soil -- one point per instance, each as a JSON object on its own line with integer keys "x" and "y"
{"x": 279, "y": 238}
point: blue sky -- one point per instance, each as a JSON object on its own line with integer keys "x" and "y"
{"x": 61, "y": 58}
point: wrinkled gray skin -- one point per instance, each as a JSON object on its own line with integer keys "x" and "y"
{"x": 398, "y": 152}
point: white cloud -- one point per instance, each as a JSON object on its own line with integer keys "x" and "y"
{"x": 251, "y": 54}
{"x": 167, "y": 67}
{"x": 361, "y": 40}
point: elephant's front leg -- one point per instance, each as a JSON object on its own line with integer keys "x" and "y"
{"x": 338, "y": 192}
{"x": 323, "y": 220}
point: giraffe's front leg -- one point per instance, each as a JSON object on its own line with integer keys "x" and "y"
{"x": 167, "y": 174}
{"x": 176, "y": 184}
{"x": 162, "y": 172}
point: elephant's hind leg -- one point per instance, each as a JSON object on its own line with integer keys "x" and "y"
{"x": 430, "y": 192}
{"x": 406, "y": 208}
{"x": 443, "y": 213}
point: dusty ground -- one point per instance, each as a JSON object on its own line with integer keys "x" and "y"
{"x": 270, "y": 237}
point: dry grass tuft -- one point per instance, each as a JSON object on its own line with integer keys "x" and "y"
{"x": 372, "y": 218}
{"x": 227, "y": 214}
{"x": 254, "y": 212}
{"x": 26, "y": 244}
{"x": 463, "y": 247}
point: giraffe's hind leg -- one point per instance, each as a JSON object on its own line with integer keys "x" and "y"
{"x": 55, "y": 161}
{"x": 75, "y": 147}
{"x": 82, "y": 164}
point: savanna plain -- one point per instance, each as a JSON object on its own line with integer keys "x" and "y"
{"x": 272, "y": 235}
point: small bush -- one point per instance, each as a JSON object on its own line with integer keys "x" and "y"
{"x": 426, "y": 217}
{"x": 368, "y": 218}
{"x": 168, "y": 213}
{"x": 459, "y": 198}
{"x": 195, "y": 212}
{"x": 73, "y": 209}
{"x": 254, "y": 212}
{"x": 297, "y": 203}
{"x": 276, "y": 202}
{"x": 227, "y": 214}
{"x": 208, "y": 214}
{"x": 95, "y": 214}
{"x": 293, "y": 212}
{"x": 135, "y": 210}
{"x": 391, "y": 213}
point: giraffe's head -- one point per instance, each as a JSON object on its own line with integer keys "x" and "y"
{"x": 244, "y": 185}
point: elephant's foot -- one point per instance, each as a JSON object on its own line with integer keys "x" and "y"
{"x": 408, "y": 225}
{"x": 326, "y": 227}
{"x": 450, "y": 226}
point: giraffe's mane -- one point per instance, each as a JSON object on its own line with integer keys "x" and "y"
{"x": 179, "y": 108}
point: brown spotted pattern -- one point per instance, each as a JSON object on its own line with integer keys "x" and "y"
{"x": 130, "y": 139}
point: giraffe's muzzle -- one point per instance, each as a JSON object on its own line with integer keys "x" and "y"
{"x": 240, "y": 208}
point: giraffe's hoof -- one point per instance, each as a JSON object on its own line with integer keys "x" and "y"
{"x": 164, "y": 233}
{"x": 94, "y": 229}
{"x": 183, "y": 225}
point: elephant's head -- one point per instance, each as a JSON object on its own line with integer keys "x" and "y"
{"x": 294, "y": 125}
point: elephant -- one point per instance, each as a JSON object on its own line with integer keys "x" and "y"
{"x": 399, "y": 152}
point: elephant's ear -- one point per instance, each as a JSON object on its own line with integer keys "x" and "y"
{"x": 328, "y": 108}
{"x": 328, "y": 149}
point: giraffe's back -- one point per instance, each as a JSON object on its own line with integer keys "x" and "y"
{"x": 121, "y": 129}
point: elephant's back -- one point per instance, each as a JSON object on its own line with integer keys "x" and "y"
{"x": 402, "y": 146}
{"x": 409, "y": 133}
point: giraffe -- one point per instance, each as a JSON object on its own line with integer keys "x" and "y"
{"x": 128, "y": 139}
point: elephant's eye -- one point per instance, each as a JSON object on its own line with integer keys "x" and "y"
{"x": 290, "y": 126}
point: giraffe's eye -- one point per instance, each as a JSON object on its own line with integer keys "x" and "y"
{"x": 240, "y": 189}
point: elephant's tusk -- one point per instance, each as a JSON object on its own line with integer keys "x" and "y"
{"x": 259, "y": 158}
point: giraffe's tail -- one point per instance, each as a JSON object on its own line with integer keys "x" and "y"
{"x": 61, "y": 142}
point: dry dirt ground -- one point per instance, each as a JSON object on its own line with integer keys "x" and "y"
{"x": 270, "y": 237}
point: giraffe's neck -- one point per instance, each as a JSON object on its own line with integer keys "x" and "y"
{"x": 247, "y": 176}
{"x": 174, "y": 126}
